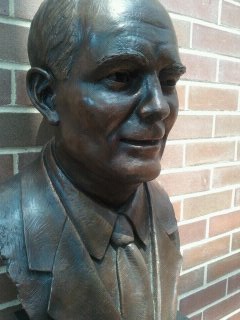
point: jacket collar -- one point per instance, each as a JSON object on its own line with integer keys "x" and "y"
{"x": 53, "y": 245}
{"x": 44, "y": 216}
{"x": 45, "y": 204}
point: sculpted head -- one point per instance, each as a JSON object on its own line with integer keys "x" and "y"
{"x": 104, "y": 72}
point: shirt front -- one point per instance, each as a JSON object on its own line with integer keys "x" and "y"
{"x": 95, "y": 224}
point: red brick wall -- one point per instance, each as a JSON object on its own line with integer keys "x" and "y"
{"x": 201, "y": 166}
{"x": 19, "y": 121}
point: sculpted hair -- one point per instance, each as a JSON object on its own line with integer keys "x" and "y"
{"x": 55, "y": 35}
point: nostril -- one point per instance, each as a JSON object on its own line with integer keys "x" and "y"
{"x": 160, "y": 112}
{"x": 154, "y": 104}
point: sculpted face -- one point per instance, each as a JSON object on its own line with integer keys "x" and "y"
{"x": 119, "y": 103}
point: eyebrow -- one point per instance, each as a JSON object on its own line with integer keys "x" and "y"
{"x": 118, "y": 58}
{"x": 175, "y": 69}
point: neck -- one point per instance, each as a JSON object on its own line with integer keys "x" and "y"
{"x": 109, "y": 191}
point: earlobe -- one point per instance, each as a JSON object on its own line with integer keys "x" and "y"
{"x": 41, "y": 92}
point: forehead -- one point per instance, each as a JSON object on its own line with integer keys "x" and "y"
{"x": 103, "y": 12}
{"x": 120, "y": 28}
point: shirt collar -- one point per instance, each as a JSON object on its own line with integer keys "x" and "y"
{"x": 137, "y": 210}
{"x": 93, "y": 221}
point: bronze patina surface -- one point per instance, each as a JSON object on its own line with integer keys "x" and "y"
{"x": 85, "y": 231}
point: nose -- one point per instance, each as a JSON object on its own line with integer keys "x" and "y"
{"x": 154, "y": 104}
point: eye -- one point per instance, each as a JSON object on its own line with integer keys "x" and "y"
{"x": 121, "y": 80}
{"x": 119, "y": 77}
{"x": 168, "y": 83}
{"x": 168, "y": 86}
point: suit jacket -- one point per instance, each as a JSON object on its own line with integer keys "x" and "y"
{"x": 50, "y": 265}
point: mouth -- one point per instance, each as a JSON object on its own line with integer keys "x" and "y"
{"x": 141, "y": 143}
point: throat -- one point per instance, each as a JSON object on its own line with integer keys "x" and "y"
{"x": 110, "y": 195}
{"x": 109, "y": 192}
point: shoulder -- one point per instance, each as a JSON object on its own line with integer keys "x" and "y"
{"x": 11, "y": 193}
{"x": 10, "y": 207}
{"x": 9, "y": 190}
{"x": 11, "y": 233}
{"x": 11, "y": 223}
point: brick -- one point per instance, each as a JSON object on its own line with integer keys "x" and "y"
{"x": 223, "y": 267}
{"x": 214, "y": 40}
{"x": 9, "y": 293}
{"x": 209, "y": 152}
{"x": 236, "y": 316}
{"x": 203, "y": 253}
{"x": 191, "y": 127}
{"x": 204, "y": 10}
{"x": 191, "y": 280}
{"x": 224, "y": 223}
{"x": 5, "y": 87}
{"x": 199, "y": 68}
{"x": 229, "y": 71}
{"x": 26, "y": 9}
{"x": 218, "y": 311}
{"x": 21, "y": 92}
{"x": 227, "y": 126}
{"x": 203, "y": 298}
{"x": 25, "y": 159}
{"x": 194, "y": 181}
{"x": 13, "y": 43}
{"x": 18, "y": 130}
{"x": 237, "y": 198}
{"x": 192, "y": 232}
{"x": 206, "y": 98}
{"x": 226, "y": 176}
{"x": 197, "y": 317}
{"x": 172, "y": 157}
{"x": 177, "y": 209}
{"x": 230, "y": 15}
{"x": 234, "y": 283}
{"x": 6, "y": 167}
{"x": 182, "y": 29}
{"x": 4, "y": 8}
{"x": 181, "y": 90}
{"x": 202, "y": 205}
{"x": 236, "y": 241}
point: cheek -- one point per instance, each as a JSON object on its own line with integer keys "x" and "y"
{"x": 173, "y": 104}
{"x": 108, "y": 109}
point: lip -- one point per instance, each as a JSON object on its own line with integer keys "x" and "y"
{"x": 142, "y": 143}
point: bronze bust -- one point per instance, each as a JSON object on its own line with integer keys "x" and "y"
{"x": 84, "y": 231}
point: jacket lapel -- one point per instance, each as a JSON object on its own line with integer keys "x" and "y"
{"x": 43, "y": 220}
{"x": 166, "y": 256}
{"x": 77, "y": 291}
{"x": 54, "y": 246}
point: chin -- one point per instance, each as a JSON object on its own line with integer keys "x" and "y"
{"x": 140, "y": 174}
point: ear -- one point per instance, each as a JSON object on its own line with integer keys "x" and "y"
{"x": 40, "y": 88}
